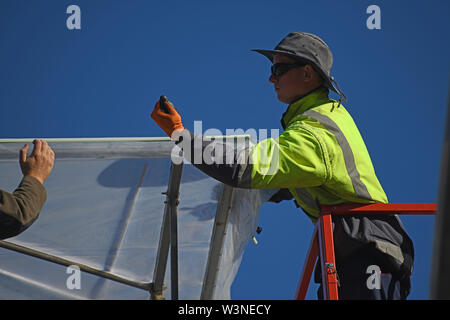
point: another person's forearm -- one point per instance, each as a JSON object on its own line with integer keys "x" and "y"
{"x": 18, "y": 210}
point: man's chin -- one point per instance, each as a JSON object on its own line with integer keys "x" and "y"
{"x": 281, "y": 98}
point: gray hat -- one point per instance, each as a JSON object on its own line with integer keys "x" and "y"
{"x": 309, "y": 47}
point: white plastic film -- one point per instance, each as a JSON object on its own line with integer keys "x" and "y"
{"x": 105, "y": 209}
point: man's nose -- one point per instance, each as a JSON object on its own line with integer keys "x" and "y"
{"x": 272, "y": 78}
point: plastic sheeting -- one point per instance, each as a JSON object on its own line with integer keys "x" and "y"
{"x": 105, "y": 209}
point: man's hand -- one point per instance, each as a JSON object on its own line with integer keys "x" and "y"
{"x": 40, "y": 163}
{"x": 169, "y": 122}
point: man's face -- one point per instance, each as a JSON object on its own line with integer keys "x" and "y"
{"x": 292, "y": 84}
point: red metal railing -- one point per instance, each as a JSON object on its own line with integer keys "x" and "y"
{"x": 322, "y": 240}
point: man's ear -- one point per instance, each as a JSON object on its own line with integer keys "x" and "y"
{"x": 308, "y": 73}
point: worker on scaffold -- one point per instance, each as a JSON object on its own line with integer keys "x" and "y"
{"x": 320, "y": 159}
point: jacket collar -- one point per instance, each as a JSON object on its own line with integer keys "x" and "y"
{"x": 314, "y": 98}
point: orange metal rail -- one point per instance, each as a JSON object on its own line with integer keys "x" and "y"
{"x": 322, "y": 240}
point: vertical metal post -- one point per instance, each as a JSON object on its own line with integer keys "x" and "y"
{"x": 327, "y": 259}
{"x": 440, "y": 277}
{"x": 173, "y": 193}
{"x": 216, "y": 245}
{"x": 168, "y": 238}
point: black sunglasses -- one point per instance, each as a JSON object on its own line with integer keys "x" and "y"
{"x": 279, "y": 69}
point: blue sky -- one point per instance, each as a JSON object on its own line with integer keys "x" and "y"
{"x": 103, "y": 80}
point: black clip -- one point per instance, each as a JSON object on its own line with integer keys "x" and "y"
{"x": 162, "y": 104}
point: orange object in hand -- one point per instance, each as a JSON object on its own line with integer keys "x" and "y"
{"x": 168, "y": 121}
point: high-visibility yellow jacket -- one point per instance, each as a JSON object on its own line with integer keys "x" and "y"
{"x": 320, "y": 158}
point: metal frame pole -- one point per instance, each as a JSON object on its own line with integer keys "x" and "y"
{"x": 381, "y": 208}
{"x": 216, "y": 245}
{"x": 168, "y": 238}
{"x": 65, "y": 262}
{"x": 173, "y": 195}
{"x": 440, "y": 278}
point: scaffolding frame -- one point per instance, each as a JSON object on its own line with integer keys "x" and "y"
{"x": 322, "y": 243}
{"x": 168, "y": 236}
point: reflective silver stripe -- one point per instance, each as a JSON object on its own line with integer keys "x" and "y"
{"x": 360, "y": 189}
{"x": 307, "y": 198}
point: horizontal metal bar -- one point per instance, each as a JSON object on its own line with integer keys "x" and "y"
{"x": 111, "y": 139}
{"x": 69, "y": 140}
{"x": 65, "y": 262}
{"x": 381, "y": 208}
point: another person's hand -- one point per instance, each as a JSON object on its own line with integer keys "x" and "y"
{"x": 40, "y": 163}
{"x": 169, "y": 122}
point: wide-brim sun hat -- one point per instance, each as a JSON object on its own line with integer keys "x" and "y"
{"x": 309, "y": 48}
